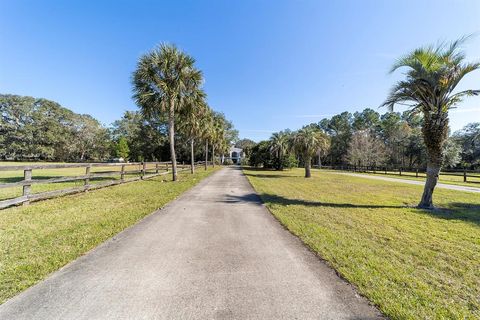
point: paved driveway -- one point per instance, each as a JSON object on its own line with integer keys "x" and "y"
{"x": 415, "y": 182}
{"x": 214, "y": 253}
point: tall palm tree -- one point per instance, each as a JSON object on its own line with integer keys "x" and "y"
{"x": 163, "y": 79}
{"x": 207, "y": 132}
{"x": 217, "y": 134}
{"x": 432, "y": 75}
{"x": 278, "y": 146}
{"x": 191, "y": 121}
{"x": 307, "y": 142}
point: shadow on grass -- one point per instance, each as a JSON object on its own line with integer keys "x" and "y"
{"x": 256, "y": 169}
{"x": 454, "y": 211}
{"x": 468, "y": 212}
{"x": 278, "y": 173}
{"x": 275, "y": 199}
{"x": 269, "y": 175}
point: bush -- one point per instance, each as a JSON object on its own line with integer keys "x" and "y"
{"x": 290, "y": 162}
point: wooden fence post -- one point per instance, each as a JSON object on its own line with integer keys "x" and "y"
{"x": 400, "y": 170}
{"x": 156, "y": 167}
{"x": 27, "y": 176}
{"x": 464, "y": 175}
{"x": 144, "y": 168}
{"x": 122, "y": 173}
{"x": 416, "y": 172}
{"x": 385, "y": 170}
{"x": 87, "y": 178}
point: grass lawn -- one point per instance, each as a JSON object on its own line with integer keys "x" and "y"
{"x": 38, "y": 239}
{"x": 412, "y": 264}
{"x": 446, "y": 179}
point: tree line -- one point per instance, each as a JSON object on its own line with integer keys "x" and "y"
{"x": 368, "y": 138}
{"x": 37, "y": 129}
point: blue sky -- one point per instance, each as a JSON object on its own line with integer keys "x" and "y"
{"x": 268, "y": 65}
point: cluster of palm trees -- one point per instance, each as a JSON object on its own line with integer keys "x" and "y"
{"x": 304, "y": 143}
{"x": 167, "y": 85}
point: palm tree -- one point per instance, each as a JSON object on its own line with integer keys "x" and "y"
{"x": 307, "y": 142}
{"x": 191, "y": 121}
{"x": 207, "y": 132}
{"x": 217, "y": 134}
{"x": 428, "y": 89}
{"x": 279, "y": 146}
{"x": 163, "y": 79}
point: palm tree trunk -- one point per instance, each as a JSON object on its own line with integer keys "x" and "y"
{"x": 433, "y": 170}
{"x": 171, "y": 136}
{"x": 280, "y": 157}
{"x": 192, "y": 157}
{"x": 213, "y": 155}
{"x": 308, "y": 161}
{"x": 206, "y": 154}
{"x": 435, "y": 131}
{"x": 319, "y": 161}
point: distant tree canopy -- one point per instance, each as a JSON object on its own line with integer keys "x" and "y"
{"x": 40, "y": 129}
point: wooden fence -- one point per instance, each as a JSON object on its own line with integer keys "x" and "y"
{"x": 465, "y": 175}
{"x": 119, "y": 173}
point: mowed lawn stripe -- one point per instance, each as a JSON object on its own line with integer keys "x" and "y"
{"x": 413, "y": 264}
{"x": 38, "y": 239}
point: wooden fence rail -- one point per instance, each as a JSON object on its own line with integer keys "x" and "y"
{"x": 466, "y": 175}
{"x": 147, "y": 170}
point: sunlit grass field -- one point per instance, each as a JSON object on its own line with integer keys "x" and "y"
{"x": 38, "y": 239}
{"x": 412, "y": 264}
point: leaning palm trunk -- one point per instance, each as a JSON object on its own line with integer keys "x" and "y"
{"x": 435, "y": 130}
{"x": 206, "y": 154}
{"x": 433, "y": 171}
{"x": 308, "y": 173}
{"x": 171, "y": 136}
{"x": 192, "y": 157}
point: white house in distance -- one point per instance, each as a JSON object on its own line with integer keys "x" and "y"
{"x": 235, "y": 154}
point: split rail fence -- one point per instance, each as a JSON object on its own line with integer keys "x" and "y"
{"x": 115, "y": 173}
{"x": 464, "y": 175}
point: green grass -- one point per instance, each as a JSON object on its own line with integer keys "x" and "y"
{"x": 412, "y": 264}
{"x": 472, "y": 181}
{"x": 38, "y": 239}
